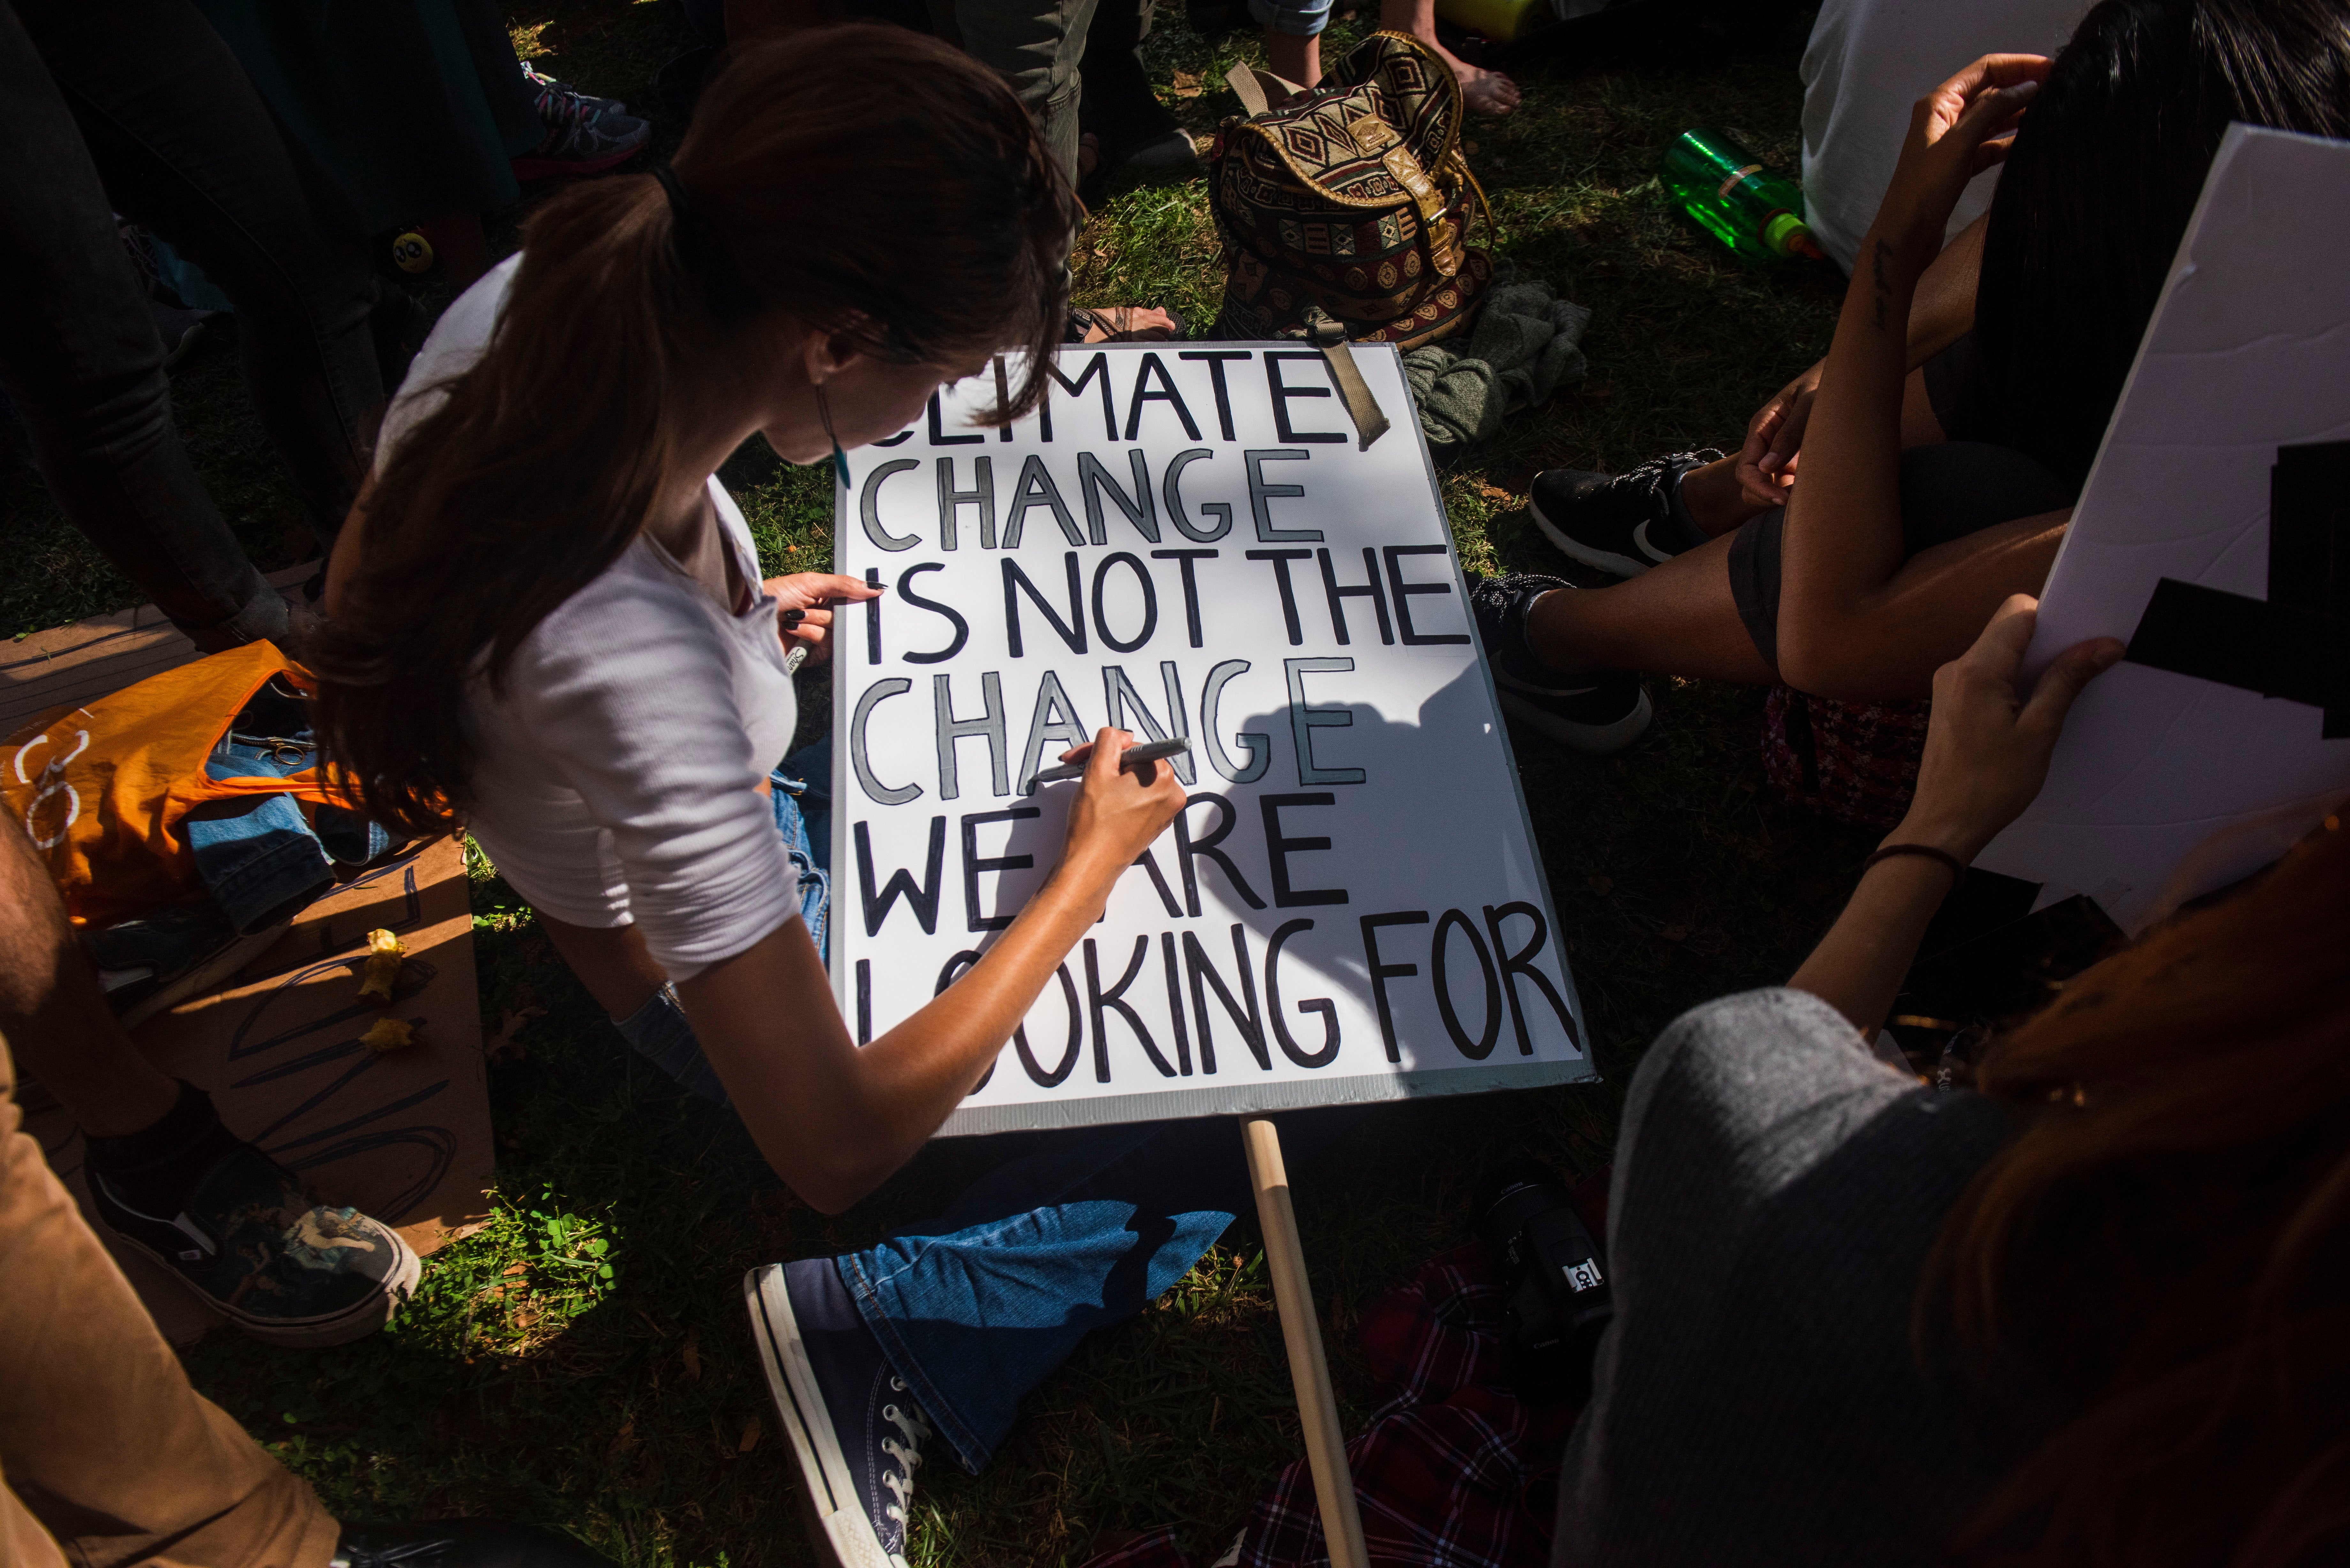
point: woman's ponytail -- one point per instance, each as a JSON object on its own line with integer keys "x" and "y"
{"x": 862, "y": 180}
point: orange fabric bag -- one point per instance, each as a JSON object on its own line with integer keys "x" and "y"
{"x": 102, "y": 788}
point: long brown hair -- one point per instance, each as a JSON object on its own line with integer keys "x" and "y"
{"x": 2165, "y": 1253}
{"x": 862, "y": 180}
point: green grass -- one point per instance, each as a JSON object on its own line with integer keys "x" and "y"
{"x": 584, "y": 1361}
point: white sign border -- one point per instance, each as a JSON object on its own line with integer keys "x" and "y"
{"x": 1239, "y": 1098}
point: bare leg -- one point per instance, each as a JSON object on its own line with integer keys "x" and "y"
{"x": 1676, "y": 619}
{"x": 56, "y": 1022}
{"x": 1488, "y": 92}
{"x": 1714, "y": 501}
{"x": 1299, "y": 59}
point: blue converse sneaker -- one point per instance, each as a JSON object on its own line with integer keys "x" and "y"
{"x": 1600, "y": 713}
{"x": 1620, "y": 523}
{"x": 854, "y": 1429}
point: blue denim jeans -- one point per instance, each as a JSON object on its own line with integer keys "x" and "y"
{"x": 801, "y": 790}
{"x": 1298, "y": 19}
{"x": 977, "y": 1307}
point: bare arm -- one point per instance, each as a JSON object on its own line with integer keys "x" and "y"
{"x": 1837, "y": 625}
{"x": 835, "y": 1120}
{"x": 1942, "y": 313}
{"x": 1986, "y": 757}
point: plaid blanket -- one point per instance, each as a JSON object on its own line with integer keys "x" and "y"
{"x": 1453, "y": 1471}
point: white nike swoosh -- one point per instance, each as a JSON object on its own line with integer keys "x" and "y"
{"x": 1640, "y": 540}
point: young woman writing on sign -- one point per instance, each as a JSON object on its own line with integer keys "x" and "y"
{"x": 549, "y": 615}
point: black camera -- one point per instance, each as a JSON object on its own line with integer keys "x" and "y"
{"x": 1554, "y": 1280}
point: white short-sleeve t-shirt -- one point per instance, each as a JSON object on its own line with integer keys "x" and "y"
{"x": 617, "y": 778}
{"x": 1867, "y": 63}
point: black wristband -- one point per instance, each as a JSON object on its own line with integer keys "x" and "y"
{"x": 1958, "y": 866}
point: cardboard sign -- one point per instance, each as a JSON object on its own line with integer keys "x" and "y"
{"x": 2213, "y": 537}
{"x": 1186, "y": 542}
{"x": 403, "y": 1137}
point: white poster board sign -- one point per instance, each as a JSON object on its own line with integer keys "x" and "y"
{"x": 2214, "y": 537}
{"x": 1186, "y": 542}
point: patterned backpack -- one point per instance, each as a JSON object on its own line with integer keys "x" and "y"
{"x": 1346, "y": 215}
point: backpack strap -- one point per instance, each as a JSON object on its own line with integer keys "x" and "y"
{"x": 1252, "y": 89}
{"x": 1327, "y": 335}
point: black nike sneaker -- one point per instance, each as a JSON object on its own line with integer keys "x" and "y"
{"x": 1620, "y": 523}
{"x": 1598, "y": 712}
{"x": 855, "y": 1427}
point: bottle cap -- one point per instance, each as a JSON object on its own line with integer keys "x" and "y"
{"x": 1789, "y": 236}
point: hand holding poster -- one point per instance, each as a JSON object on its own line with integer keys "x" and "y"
{"x": 1185, "y": 542}
{"x": 2212, "y": 538}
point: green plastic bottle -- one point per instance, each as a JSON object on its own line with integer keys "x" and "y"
{"x": 1756, "y": 212}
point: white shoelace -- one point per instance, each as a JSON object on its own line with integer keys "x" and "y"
{"x": 917, "y": 1430}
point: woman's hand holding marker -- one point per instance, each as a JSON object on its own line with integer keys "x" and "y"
{"x": 1118, "y": 811}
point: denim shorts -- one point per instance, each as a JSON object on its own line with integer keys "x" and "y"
{"x": 1298, "y": 19}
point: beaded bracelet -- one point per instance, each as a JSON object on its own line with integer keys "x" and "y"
{"x": 1958, "y": 866}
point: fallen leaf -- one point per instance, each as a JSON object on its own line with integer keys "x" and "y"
{"x": 513, "y": 1269}
{"x": 1674, "y": 933}
{"x": 383, "y": 969}
{"x": 502, "y": 1043}
{"x": 750, "y": 1436}
{"x": 1187, "y": 84}
{"x": 622, "y": 1440}
{"x": 389, "y": 1034}
{"x": 1602, "y": 885}
{"x": 692, "y": 1356}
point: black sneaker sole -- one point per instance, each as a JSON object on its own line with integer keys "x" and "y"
{"x": 1591, "y": 739}
{"x": 356, "y": 1322}
{"x": 1574, "y": 549}
{"x": 837, "y": 1526}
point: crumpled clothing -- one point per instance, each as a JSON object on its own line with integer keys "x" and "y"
{"x": 1454, "y": 1470}
{"x": 1526, "y": 343}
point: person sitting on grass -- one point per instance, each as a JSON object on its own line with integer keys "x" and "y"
{"x": 108, "y": 1457}
{"x": 548, "y": 616}
{"x": 2087, "y": 1311}
{"x": 1947, "y": 432}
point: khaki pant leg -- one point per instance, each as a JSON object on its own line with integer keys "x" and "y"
{"x": 22, "y": 1542}
{"x": 101, "y": 1438}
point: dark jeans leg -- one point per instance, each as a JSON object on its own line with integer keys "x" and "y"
{"x": 186, "y": 147}
{"x": 1035, "y": 46}
{"x": 80, "y": 359}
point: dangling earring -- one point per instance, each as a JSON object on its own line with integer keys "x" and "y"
{"x": 839, "y": 458}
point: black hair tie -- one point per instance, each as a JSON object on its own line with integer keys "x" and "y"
{"x": 701, "y": 256}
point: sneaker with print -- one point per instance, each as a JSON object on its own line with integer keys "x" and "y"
{"x": 236, "y": 1228}
{"x": 855, "y": 1428}
{"x": 581, "y": 138}
{"x": 549, "y": 89}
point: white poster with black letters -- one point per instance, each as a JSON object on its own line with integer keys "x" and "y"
{"x": 2213, "y": 539}
{"x": 1185, "y": 541}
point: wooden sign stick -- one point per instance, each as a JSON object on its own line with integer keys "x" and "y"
{"x": 1301, "y": 1333}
